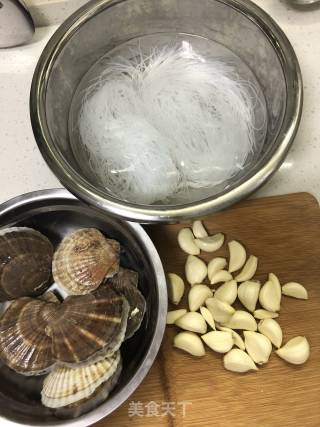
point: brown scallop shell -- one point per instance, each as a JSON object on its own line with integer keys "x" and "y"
{"x": 24, "y": 345}
{"x": 83, "y": 259}
{"x": 88, "y": 327}
{"x": 124, "y": 283}
{"x": 25, "y": 263}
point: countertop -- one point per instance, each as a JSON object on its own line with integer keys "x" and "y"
{"x": 22, "y": 168}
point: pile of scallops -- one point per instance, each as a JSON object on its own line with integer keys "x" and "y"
{"x": 73, "y": 337}
{"x": 245, "y": 336}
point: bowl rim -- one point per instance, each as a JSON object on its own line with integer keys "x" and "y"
{"x": 87, "y": 192}
{"x": 33, "y": 198}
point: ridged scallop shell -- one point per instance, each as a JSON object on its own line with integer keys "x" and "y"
{"x": 25, "y": 263}
{"x": 127, "y": 276}
{"x": 66, "y": 386}
{"x": 24, "y": 345}
{"x": 99, "y": 396}
{"x": 124, "y": 283}
{"x": 88, "y": 327}
{"x": 83, "y": 259}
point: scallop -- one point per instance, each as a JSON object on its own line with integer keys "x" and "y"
{"x": 67, "y": 386}
{"x": 24, "y": 345}
{"x": 83, "y": 260}
{"x": 25, "y": 263}
{"x": 123, "y": 285}
{"x": 88, "y": 327}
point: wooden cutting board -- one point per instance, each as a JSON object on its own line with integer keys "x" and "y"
{"x": 284, "y": 232}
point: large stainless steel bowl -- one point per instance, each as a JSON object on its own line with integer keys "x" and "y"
{"x": 56, "y": 213}
{"x": 101, "y": 25}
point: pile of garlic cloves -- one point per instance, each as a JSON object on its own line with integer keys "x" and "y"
{"x": 245, "y": 337}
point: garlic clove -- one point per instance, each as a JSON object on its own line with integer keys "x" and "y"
{"x": 174, "y": 315}
{"x": 215, "y": 265}
{"x": 195, "y": 270}
{"x": 237, "y": 256}
{"x": 238, "y": 361}
{"x": 210, "y": 243}
{"x": 272, "y": 330}
{"x": 274, "y": 279}
{"x": 206, "y": 314}
{"x": 295, "y": 290}
{"x": 241, "y": 320}
{"x": 220, "y": 310}
{"x": 264, "y": 314}
{"x": 186, "y": 242}
{"x": 296, "y": 351}
{"x": 197, "y": 296}
{"x": 218, "y": 341}
{"x": 198, "y": 229}
{"x": 269, "y": 296}
{"x": 189, "y": 342}
{"x": 227, "y": 292}
{"x": 220, "y": 276}
{"x": 175, "y": 288}
{"x": 237, "y": 339}
{"x": 258, "y": 346}
{"x": 248, "y": 294}
{"x": 192, "y": 322}
{"x": 248, "y": 270}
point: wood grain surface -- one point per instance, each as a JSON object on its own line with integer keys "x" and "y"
{"x": 284, "y": 232}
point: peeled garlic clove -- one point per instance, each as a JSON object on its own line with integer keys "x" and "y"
{"x": 248, "y": 294}
{"x": 269, "y": 296}
{"x": 220, "y": 310}
{"x": 238, "y": 361}
{"x": 237, "y": 257}
{"x": 227, "y": 292}
{"x": 272, "y": 330}
{"x": 197, "y": 296}
{"x": 210, "y": 243}
{"x": 195, "y": 270}
{"x": 206, "y": 314}
{"x": 186, "y": 242}
{"x": 258, "y": 346}
{"x": 215, "y": 265}
{"x": 241, "y": 320}
{"x": 295, "y": 290}
{"x": 218, "y": 341}
{"x": 264, "y": 314}
{"x": 248, "y": 270}
{"x": 237, "y": 340}
{"x": 198, "y": 229}
{"x": 175, "y": 288}
{"x": 220, "y": 276}
{"x": 174, "y": 315}
{"x": 189, "y": 342}
{"x": 193, "y": 322}
{"x": 274, "y": 279}
{"x": 296, "y": 351}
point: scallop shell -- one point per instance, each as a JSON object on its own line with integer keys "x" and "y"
{"x": 66, "y": 386}
{"x": 25, "y": 263}
{"x": 124, "y": 284}
{"x": 83, "y": 259}
{"x": 24, "y": 346}
{"x": 125, "y": 275}
{"x": 88, "y": 327}
{"x": 99, "y": 396}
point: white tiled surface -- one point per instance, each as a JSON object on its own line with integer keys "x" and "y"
{"x": 22, "y": 168}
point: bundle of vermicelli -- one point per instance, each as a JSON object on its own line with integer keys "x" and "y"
{"x": 158, "y": 125}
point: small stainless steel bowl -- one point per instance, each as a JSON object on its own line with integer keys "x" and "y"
{"x": 101, "y": 25}
{"x": 56, "y": 213}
